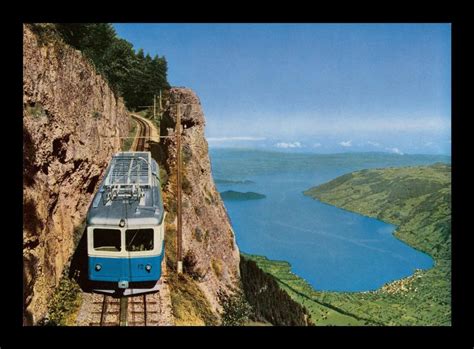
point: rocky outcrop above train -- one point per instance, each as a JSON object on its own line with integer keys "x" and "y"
{"x": 71, "y": 121}
{"x": 207, "y": 234}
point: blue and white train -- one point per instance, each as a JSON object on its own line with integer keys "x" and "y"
{"x": 125, "y": 227}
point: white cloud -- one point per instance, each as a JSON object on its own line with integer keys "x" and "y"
{"x": 375, "y": 144}
{"x": 394, "y": 150}
{"x": 346, "y": 143}
{"x": 239, "y": 138}
{"x": 427, "y": 144}
{"x": 316, "y": 145}
{"x": 288, "y": 145}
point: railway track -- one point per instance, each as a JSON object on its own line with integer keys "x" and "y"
{"x": 141, "y": 310}
{"x": 143, "y": 136}
{"x": 109, "y": 312}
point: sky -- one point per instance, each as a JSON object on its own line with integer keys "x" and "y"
{"x": 312, "y": 87}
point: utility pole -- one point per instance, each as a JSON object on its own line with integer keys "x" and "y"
{"x": 161, "y": 108}
{"x": 178, "y": 186}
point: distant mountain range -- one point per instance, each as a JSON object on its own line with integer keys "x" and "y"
{"x": 229, "y": 181}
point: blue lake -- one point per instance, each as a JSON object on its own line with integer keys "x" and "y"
{"x": 331, "y": 248}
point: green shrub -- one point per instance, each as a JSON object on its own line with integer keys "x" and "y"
{"x": 172, "y": 207}
{"x": 236, "y": 311}
{"x": 189, "y": 304}
{"x": 64, "y": 303}
{"x": 170, "y": 242}
{"x": 163, "y": 177}
{"x": 36, "y": 110}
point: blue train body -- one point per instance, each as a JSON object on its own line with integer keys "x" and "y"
{"x": 125, "y": 227}
{"x": 125, "y": 269}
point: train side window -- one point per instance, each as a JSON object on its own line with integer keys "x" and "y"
{"x": 107, "y": 240}
{"x": 139, "y": 240}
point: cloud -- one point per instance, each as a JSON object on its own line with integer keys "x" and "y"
{"x": 394, "y": 150}
{"x": 316, "y": 145}
{"x": 288, "y": 145}
{"x": 346, "y": 143}
{"x": 427, "y": 144}
{"x": 239, "y": 138}
{"x": 375, "y": 144}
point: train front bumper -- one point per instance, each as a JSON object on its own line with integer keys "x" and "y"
{"x": 123, "y": 271}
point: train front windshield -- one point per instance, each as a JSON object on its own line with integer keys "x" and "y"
{"x": 139, "y": 240}
{"x": 107, "y": 240}
{"x": 136, "y": 240}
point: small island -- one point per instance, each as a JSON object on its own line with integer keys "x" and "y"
{"x": 239, "y": 196}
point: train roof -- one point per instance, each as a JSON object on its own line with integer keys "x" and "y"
{"x": 130, "y": 190}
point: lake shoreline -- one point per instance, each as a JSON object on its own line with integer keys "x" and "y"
{"x": 382, "y": 228}
{"x": 421, "y": 217}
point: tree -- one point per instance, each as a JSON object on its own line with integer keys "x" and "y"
{"x": 119, "y": 60}
{"x": 269, "y": 301}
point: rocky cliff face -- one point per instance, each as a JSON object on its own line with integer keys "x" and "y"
{"x": 207, "y": 233}
{"x": 71, "y": 121}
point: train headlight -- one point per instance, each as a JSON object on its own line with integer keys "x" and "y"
{"x": 122, "y": 223}
{"x": 98, "y": 267}
{"x": 148, "y": 267}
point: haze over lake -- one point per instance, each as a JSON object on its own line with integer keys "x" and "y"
{"x": 331, "y": 248}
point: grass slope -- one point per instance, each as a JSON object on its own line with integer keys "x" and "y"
{"x": 418, "y": 201}
{"x": 127, "y": 142}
